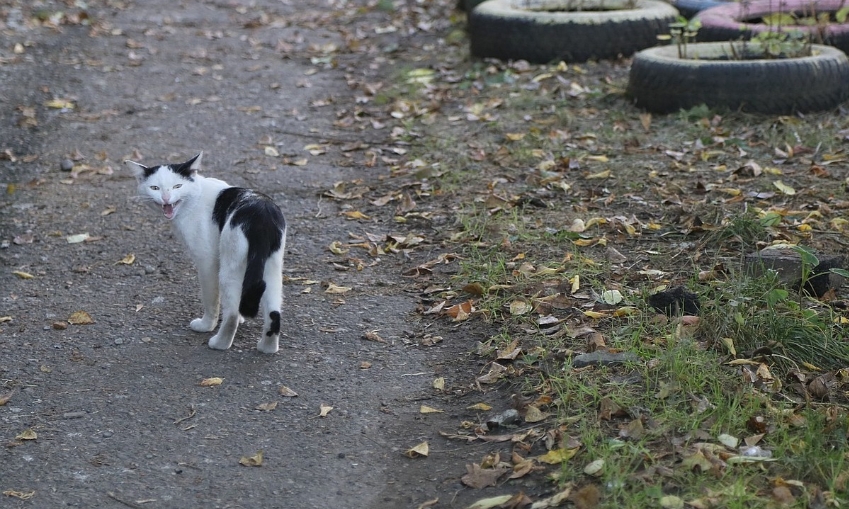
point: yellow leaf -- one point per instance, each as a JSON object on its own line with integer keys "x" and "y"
{"x": 784, "y": 188}
{"x": 252, "y": 461}
{"x": 324, "y": 410}
{"x": 557, "y": 456}
{"x": 600, "y": 158}
{"x": 127, "y": 260}
{"x": 598, "y": 176}
{"x": 267, "y": 407}
{"x": 439, "y": 384}
{"x": 23, "y": 275}
{"x": 420, "y": 450}
{"x": 300, "y": 162}
{"x": 731, "y": 191}
{"x": 334, "y": 289}
{"x": 575, "y": 281}
{"x": 804, "y": 227}
{"x": 107, "y": 211}
{"x": 729, "y": 344}
{"x": 585, "y": 242}
{"x": 211, "y": 382}
{"x": 514, "y": 136}
{"x": 27, "y": 434}
{"x": 60, "y": 104}
{"x": 336, "y": 248}
{"x": 355, "y": 214}
{"x": 80, "y": 318}
{"x": 271, "y": 152}
{"x": 424, "y": 409}
{"x": 626, "y": 311}
{"x": 595, "y": 314}
{"x": 480, "y": 406}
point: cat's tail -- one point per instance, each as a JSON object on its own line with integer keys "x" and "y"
{"x": 253, "y": 286}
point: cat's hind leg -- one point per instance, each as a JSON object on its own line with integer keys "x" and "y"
{"x": 234, "y": 250}
{"x": 271, "y": 300}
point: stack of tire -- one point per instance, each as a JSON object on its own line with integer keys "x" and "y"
{"x": 720, "y": 76}
{"x": 543, "y": 31}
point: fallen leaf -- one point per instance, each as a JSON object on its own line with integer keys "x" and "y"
{"x": 80, "y": 318}
{"x": 287, "y": 392}
{"x": 784, "y": 188}
{"x": 108, "y": 210}
{"x": 439, "y": 384}
{"x": 4, "y": 319}
{"x": 76, "y": 239}
{"x": 478, "y": 477}
{"x": 428, "y": 503}
{"x": 520, "y": 307}
{"x": 586, "y": 497}
{"x": 355, "y": 214}
{"x": 211, "y": 382}
{"x": 534, "y": 414}
{"x": 252, "y": 461}
{"x": 127, "y": 260}
{"x": 334, "y": 289}
{"x": 19, "y": 494}
{"x": 23, "y": 275}
{"x": 373, "y": 336}
{"x": 421, "y": 449}
{"x": 557, "y": 456}
{"x": 271, "y": 152}
{"x": 461, "y": 311}
{"x": 424, "y": 409}
{"x": 496, "y": 371}
{"x": 671, "y": 502}
{"x": 491, "y": 502}
{"x": 480, "y": 406}
{"x": 267, "y": 407}
{"x": 5, "y": 398}
{"x": 324, "y": 410}
{"x": 594, "y": 468}
{"x": 59, "y": 104}
{"x": 27, "y": 434}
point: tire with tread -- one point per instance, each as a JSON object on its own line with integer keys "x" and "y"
{"x": 660, "y": 81}
{"x": 547, "y": 32}
{"x": 739, "y": 20}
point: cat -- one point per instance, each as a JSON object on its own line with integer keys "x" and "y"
{"x": 236, "y": 238}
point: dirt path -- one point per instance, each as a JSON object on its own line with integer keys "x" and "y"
{"x": 120, "y": 417}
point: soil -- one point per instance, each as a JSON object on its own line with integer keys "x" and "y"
{"x": 117, "y": 407}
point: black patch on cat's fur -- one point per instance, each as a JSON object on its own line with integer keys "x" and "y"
{"x": 149, "y": 170}
{"x": 185, "y": 169}
{"x": 262, "y": 223}
{"x": 275, "y": 323}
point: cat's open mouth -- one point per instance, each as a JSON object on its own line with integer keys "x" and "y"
{"x": 169, "y": 208}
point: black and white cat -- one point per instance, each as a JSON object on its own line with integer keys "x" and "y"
{"x": 236, "y": 238}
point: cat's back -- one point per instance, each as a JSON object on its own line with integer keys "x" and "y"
{"x": 247, "y": 208}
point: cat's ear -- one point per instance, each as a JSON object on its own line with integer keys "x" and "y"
{"x": 140, "y": 171}
{"x": 190, "y": 167}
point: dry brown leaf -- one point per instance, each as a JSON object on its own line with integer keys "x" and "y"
{"x": 439, "y": 384}
{"x": 127, "y": 260}
{"x": 267, "y": 407}
{"x": 287, "y": 392}
{"x": 5, "y": 398}
{"x": 479, "y": 478}
{"x": 19, "y": 494}
{"x": 334, "y": 289}
{"x": 479, "y": 406}
{"x": 534, "y": 414}
{"x": 324, "y": 410}
{"x": 373, "y": 336}
{"x": 424, "y": 409}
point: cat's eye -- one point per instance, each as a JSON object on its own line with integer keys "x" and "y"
{"x": 155, "y": 188}
{"x": 178, "y": 186}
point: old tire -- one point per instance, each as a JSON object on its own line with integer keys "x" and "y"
{"x": 539, "y": 33}
{"x": 740, "y": 20}
{"x": 661, "y": 82}
{"x": 689, "y": 8}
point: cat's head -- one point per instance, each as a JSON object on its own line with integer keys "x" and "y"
{"x": 168, "y": 186}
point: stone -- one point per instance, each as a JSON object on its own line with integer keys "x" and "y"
{"x": 603, "y": 358}
{"x": 787, "y": 263}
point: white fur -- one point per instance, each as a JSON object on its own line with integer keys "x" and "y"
{"x": 220, "y": 257}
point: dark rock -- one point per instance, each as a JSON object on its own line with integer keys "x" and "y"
{"x": 602, "y": 358}
{"x": 675, "y": 301}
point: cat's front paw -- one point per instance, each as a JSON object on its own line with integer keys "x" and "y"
{"x": 216, "y": 342}
{"x": 202, "y": 325}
